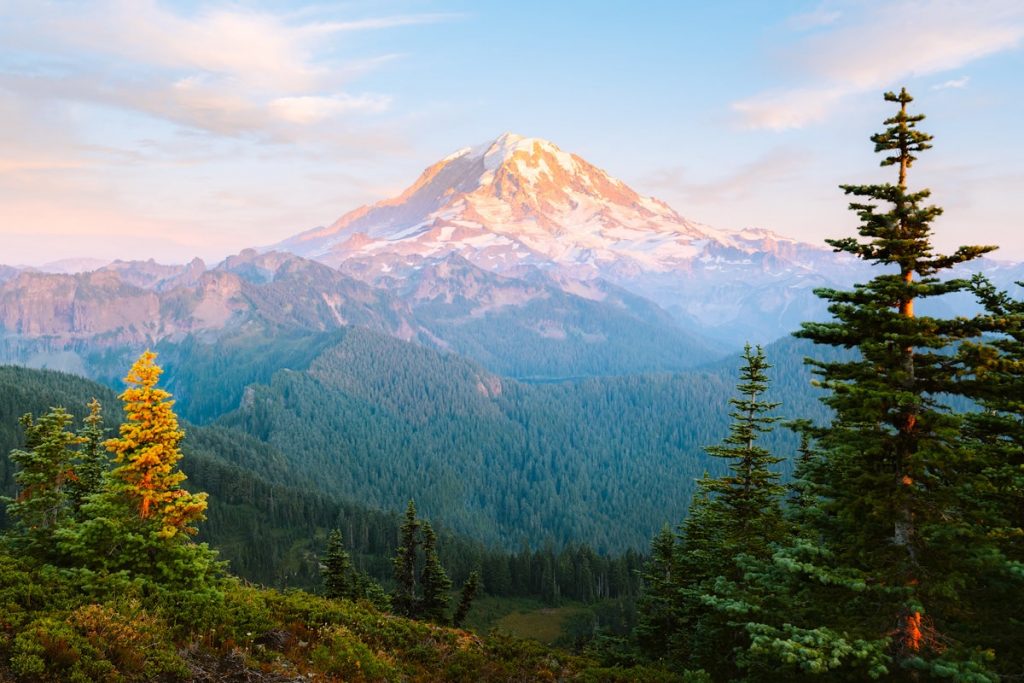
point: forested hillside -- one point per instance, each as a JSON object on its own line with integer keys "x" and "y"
{"x": 604, "y": 461}
{"x": 367, "y": 418}
{"x": 271, "y": 524}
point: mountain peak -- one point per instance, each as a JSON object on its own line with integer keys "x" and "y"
{"x": 510, "y": 202}
{"x": 501, "y": 148}
{"x": 508, "y": 137}
{"x": 509, "y": 143}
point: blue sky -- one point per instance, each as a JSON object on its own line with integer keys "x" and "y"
{"x": 135, "y": 128}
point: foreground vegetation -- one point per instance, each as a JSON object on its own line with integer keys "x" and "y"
{"x": 54, "y": 628}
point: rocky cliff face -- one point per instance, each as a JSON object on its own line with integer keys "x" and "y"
{"x": 142, "y": 303}
{"x": 78, "y": 306}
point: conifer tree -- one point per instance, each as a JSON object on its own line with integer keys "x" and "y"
{"x": 404, "y": 600}
{"x": 434, "y": 580}
{"x": 91, "y": 461}
{"x": 469, "y": 591}
{"x": 340, "y": 580}
{"x": 733, "y": 519}
{"x": 370, "y": 590}
{"x": 747, "y": 499}
{"x": 659, "y": 602}
{"x": 147, "y": 453}
{"x": 43, "y": 478}
{"x": 881, "y": 582}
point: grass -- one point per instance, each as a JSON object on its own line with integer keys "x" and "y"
{"x": 522, "y": 618}
{"x": 488, "y": 610}
{"x": 545, "y": 625}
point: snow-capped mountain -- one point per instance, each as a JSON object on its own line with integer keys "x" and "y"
{"x": 516, "y": 200}
{"x": 517, "y": 204}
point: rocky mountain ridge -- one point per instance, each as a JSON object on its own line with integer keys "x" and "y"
{"x": 523, "y": 327}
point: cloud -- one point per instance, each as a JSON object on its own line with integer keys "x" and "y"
{"x": 387, "y": 22}
{"x": 312, "y": 108}
{"x": 955, "y": 83}
{"x": 225, "y": 70}
{"x": 259, "y": 49}
{"x": 35, "y": 140}
{"x": 878, "y": 44}
{"x": 785, "y": 109}
{"x": 778, "y": 165}
{"x": 133, "y": 127}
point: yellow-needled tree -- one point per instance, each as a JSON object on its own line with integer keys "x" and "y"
{"x": 147, "y": 453}
{"x": 141, "y": 522}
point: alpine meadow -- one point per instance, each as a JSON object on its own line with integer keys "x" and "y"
{"x": 518, "y": 421}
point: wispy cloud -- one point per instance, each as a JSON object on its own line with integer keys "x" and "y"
{"x": 778, "y": 165}
{"x": 185, "y": 128}
{"x": 387, "y": 22}
{"x": 878, "y": 44}
{"x": 953, "y": 84}
{"x": 312, "y": 108}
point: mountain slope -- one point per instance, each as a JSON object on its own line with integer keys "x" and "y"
{"x": 530, "y": 326}
{"x": 362, "y": 416}
{"x": 93, "y": 323}
{"x": 604, "y": 460}
{"x": 265, "y": 517}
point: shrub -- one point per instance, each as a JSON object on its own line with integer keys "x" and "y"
{"x": 341, "y": 653}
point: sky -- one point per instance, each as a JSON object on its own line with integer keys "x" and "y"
{"x": 139, "y": 129}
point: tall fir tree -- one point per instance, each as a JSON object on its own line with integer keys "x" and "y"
{"x": 340, "y": 579}
{"x": 44, "y": 476}
{"x": 733, "y": 519}
{"x": 147, "y": 453}
{"x": 882, "y": 582}
{"x": 434, "y": 580}
{"x": 404, "y": 600}
{"x": 747, "y": 499}
{"x": 91, "y": 460}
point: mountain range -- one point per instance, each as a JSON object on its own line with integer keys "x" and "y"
{"x": 515, "y": 253}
